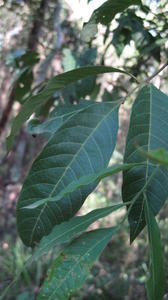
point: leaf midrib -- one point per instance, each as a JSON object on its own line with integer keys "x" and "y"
{"x": 69, "y": 165}
{"x": 98, "y": 216}
{"x": 80, "y": 259}
{"x": 147, "y": 160}
{"x": 150, "y": 126}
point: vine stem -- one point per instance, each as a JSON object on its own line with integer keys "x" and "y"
{"x": 156, "y": 73}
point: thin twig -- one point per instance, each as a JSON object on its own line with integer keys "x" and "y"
{"x": 129, "y": 94}
{"x": 156, "y": 73}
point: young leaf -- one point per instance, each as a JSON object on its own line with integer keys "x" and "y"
{"x": 104, "y": 15}
{"x": 71, "y": 268}
{"x": 54, "y": 84}
{"x": 65, "y": 232}
{"x": 147, "y": 129}
{"x": 157, "y": 279}
{"x": 82, "y": 182}
{"x": 82, "y": 146}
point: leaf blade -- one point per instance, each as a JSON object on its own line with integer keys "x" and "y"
{"x": 156, "y": 282}
{"x": 83, "y": 181}
{"x": 104, "y": 15}
{"x": 54, "y": 84}
{"x": 72, "y": 267}
{"x": 56, "y": 118}
{"x": 159, "y": 156}
{"x": 65, "y": 232}
{"x": 81, "y": 146}
{"x": 146, "y": 132}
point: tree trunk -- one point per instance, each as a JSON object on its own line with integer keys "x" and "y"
{"x": 32, "y": 45}
{"x": 37, "y": 25}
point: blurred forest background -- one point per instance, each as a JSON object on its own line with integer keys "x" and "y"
{"x": 42, "y": 38}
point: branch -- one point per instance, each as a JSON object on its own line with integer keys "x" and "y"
{"x": 37, "y": 26}
{"x": 156, "y": 73}
{"x": 7, "y": 109}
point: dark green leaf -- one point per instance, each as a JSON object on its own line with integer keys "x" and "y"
{"x": 146, "y": 132}
{"x": 82, "y": 182}
{"x": 113, "y": 95}
{"x": 157, "y": 279}
{"x": 131, "y": 27}
{"x": 65, "y": 232}
{"x": 23, "y": 85}
{"x": 82, "y": 146}
{"x": 104, "y": 15}
{"x": 56, "y": 83}
{"x": 57, "y": 118}
{"x": 72, "y": 267}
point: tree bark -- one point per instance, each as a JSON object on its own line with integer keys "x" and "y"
{"x": 7, "y": 109}
{"x": 57, "y": 45}
{"x": 37, "y": 25}
{"x": 32, "y": 46}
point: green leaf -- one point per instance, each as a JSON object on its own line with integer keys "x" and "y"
{"x": 147, "y": 131}
{"x": 104, "y": 15}
{"x": 69, "y": 61}
{"x": 54, "y": 84}
{"x": 157, "y": 279}
{"x": 82, "y": 146}
{"x": 23, "y": 85}
{"x": 71, "y": 268}
{"x": 159, "y": 156}
{"x": 131, "y": 27}
{"x": 82, "y": 182}
{"x": 56, "y": 118}
{"x": 89, "y": 31}
{"x": 24, "y": 62}
{"x": 65, "y": 232}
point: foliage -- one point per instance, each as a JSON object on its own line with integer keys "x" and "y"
{"x": 147, "y": 132}
{"x": 54, "y": 84}
{"x": 157, "y": 272}
{"x": 104, "y": 15}
{"x": 80, "y": 131}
